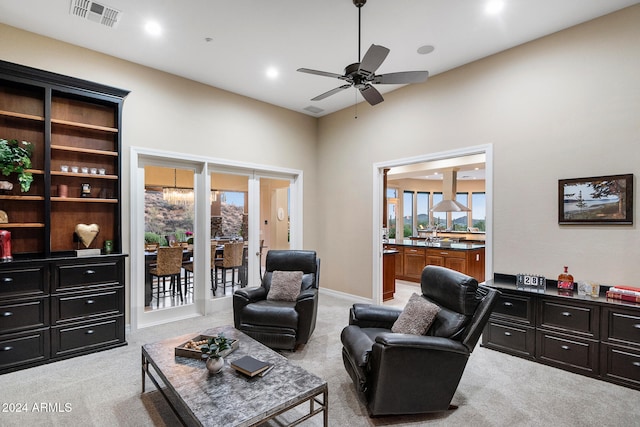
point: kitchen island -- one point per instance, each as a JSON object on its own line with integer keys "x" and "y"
{"x": 414, "y": 255}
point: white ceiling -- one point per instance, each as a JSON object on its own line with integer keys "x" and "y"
{"x": 249, "y": 36}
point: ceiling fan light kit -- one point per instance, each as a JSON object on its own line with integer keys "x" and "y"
{"x": 362, "y": 74}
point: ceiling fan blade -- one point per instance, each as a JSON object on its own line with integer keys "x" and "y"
{"x": 404, "y": 77}
{"x": 320, "y": 73}
{"x": 371, "y": 95}
{"x": 374, "y": 57}
{"x": 331, "y": 92}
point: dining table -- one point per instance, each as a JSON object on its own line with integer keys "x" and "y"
{"x": 150, "y": 258}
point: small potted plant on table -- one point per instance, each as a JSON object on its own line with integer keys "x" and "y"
{"x": 212, "y": 352}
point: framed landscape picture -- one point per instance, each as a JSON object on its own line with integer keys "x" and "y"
{"x": 596, "y": 200}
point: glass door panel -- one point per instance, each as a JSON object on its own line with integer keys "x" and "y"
{"x": 169, "y": 222}
{"x": 229, "y": 226}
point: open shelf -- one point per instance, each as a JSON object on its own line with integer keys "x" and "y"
{"x": 22, "y": 225}
{"x": 21, "y": 116}
{"x": 83, "y": 175}
{"x": 83, "y": 125}
{"x": 83, "y": 200}
{"x": 22, "y": 198}
{"x": 84, "y": 150}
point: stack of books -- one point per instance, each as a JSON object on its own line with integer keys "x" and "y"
{"x": 251, "y": 367}
{"x": 625, "y": 293}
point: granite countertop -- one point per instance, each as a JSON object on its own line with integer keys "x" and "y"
{"x": 422, "y": 243}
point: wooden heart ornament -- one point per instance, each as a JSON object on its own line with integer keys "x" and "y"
{"x": 87, "y": 233}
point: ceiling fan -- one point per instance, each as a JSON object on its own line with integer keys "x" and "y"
{"x": 362, "y": 74}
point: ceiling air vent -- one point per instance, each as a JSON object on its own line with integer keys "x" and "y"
{"x": 312, "y": 109}
{"x": 96, "y": 12}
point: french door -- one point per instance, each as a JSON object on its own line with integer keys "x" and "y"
{"x": 260, "y": 206}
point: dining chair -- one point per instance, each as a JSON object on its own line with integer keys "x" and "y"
{"x": 169, "y": 264}
{"x": 232, "y": 257}
{"x": 188, "y": 269}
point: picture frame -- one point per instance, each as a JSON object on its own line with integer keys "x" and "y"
{"x": 596, "y": 200}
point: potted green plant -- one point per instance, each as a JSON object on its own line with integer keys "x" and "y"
{"x": 212, "y": 351}
{"x": 15, "y": 157}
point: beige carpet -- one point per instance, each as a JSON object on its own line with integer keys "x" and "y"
{"x": 103, "y": 389}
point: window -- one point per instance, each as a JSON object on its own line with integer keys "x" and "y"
{"x": 460, "y": 220}
{"x": 422, "y": 210}
{"x": 392, "y": 193}
{"x": 438, "y": 218}
{"x": 407, "y": 210}
{"x": 479, "y": 211}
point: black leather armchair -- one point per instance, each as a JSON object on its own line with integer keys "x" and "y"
{"x": 409, "y": 374}
{"x": 280, "y": 324}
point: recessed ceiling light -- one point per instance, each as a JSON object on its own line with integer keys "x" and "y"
{"x": 423, "y": 50}
{"x": 494, "y": 7}
{"x": 272, "y": 72}
{"x": 153, "y": 28}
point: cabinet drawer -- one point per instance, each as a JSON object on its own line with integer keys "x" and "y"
{"x": 85, "y": 305}
{"x": 20, "y": 315}
{"x": 86, "y": 337}
{"x": 514, "y": 307}
{"x": 514, "y": 339}
{"x": 24, "y": 281}
{"x": 620, "y": 365}
{"x": 80, "y": 275}
{"x": 448, "y": 253}
{"x": 24, "y": 348}
{"x": 582, "y": 319}
{"x": 621, "y": 326}
{"x": 572, "y": 354}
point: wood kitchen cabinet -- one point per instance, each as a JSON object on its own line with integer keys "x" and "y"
{"x": 414, "y": 262}
{"x": 469, "y": 262}
{"x": 414, "y": 256}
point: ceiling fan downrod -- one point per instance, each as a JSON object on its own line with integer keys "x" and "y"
{"x": 359, "y": 4}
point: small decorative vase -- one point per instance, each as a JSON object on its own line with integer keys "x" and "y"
{"x": 215, "y": 364}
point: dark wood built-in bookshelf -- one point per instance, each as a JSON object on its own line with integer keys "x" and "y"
{"x": 55, "y": 304}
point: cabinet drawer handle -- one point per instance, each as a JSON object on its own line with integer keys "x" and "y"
{"x": 7, "y": 314}
{"x": 507, "y": 334}
{"x": 7, "y": 348}
{"x": 7, "y": 279}
{"x": 89, "y": 332}
{"x": 507, "y": 304}
{"x": 637, "y": 326}
{"x": 89, "y": 301}
{"x": 566, "y": 314}
{"x": 88, "y": 272}
{"x": 444, "y": 253}
{"x": 565, "y": 347}
{"x": 636, "y": 363}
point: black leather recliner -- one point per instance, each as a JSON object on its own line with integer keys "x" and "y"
{"x": 280, "y": 324}
{"x": 410, "y": 374}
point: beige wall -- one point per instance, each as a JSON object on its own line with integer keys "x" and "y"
{"x": 170, "y": 113}
{"x": 564, "y": 106}
{"x": 560, "y": 107}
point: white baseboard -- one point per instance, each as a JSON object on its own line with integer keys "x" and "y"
{"x": 345, "y": 296}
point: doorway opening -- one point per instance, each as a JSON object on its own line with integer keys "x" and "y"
{"x": 412, "y": 224}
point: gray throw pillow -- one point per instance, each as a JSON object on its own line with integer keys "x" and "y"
{"x": 417, "y": 316}
{"x": 285, "y": 285}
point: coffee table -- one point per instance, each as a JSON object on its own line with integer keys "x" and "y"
{"x": 230, "y": 398}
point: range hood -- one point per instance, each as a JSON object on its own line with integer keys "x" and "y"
{"x": 449, "y": 204}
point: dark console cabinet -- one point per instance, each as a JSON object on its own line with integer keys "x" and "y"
{"x": 590, "y": 336}
{"x": 48, "y": 321}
